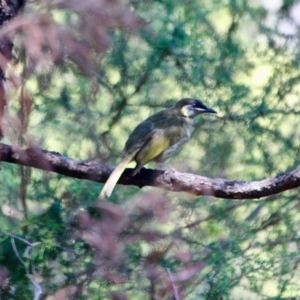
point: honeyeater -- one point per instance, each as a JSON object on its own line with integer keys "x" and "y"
{"x": 157, "y": 138}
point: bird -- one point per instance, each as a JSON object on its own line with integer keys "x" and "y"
{"x": 157, "y": 138}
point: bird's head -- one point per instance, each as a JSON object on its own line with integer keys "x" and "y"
{"x": 190, "y": 107}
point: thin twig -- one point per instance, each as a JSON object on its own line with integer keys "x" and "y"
{"x": 32, "y": 277}
{"x": 175, "y": 291}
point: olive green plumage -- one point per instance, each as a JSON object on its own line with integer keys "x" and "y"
{"x": 157, "y": 138}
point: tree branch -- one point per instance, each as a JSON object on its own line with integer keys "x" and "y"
{"x": 168, "y": 180}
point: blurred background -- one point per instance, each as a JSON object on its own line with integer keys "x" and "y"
{"x": 82, "y": 76}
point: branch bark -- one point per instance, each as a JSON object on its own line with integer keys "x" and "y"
{"x": 168, "y": 180}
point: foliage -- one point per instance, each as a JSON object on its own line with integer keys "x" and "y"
{"x": 85, "y": 75}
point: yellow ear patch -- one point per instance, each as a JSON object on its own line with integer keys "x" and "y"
{"x": 185, "y": 111}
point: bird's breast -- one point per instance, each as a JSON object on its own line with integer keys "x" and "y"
{"x": 177, "y": 136}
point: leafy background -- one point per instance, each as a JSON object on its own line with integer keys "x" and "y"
{"x": 84, "y": 75}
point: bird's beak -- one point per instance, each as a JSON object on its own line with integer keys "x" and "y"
{"x": 210, "y": 110}
{"x": 206, "y": 110}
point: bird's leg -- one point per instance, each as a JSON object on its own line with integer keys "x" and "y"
{"x": 137, "y": 169}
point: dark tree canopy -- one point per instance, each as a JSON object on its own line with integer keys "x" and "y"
{"x": 76, "y": 77}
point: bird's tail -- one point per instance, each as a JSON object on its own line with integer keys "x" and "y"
{"x": 115, "y": 175}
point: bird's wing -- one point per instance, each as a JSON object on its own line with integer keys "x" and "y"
{"x": 160, "y": 130}
{"x": 152, "y": 142}
{"x": 139, "y": 136}
{"x": 145, "y": 130}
